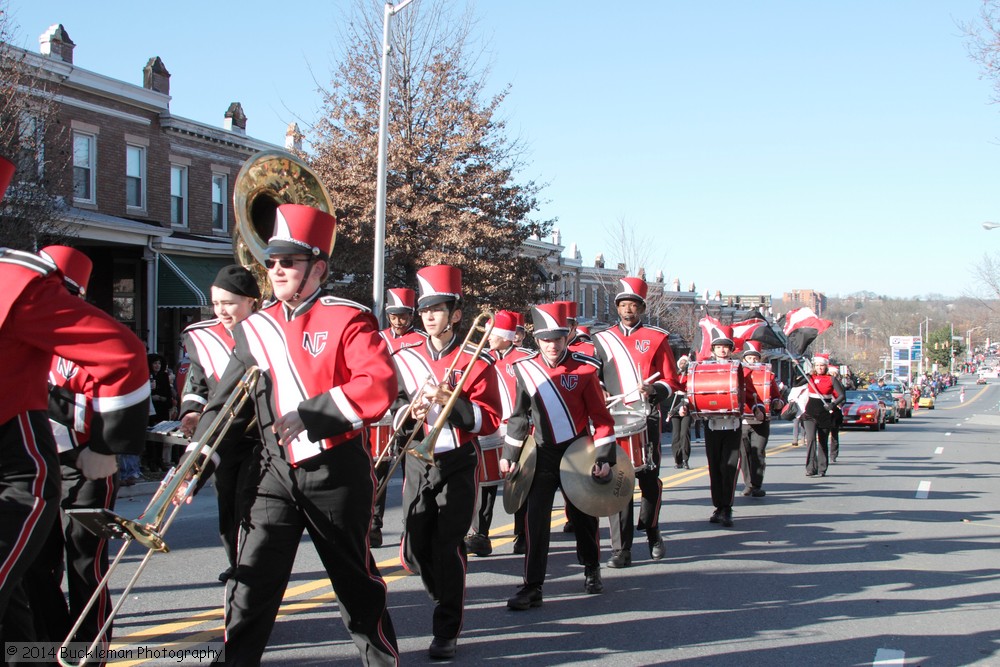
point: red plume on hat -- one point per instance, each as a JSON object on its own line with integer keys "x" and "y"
{"x": 504, "y": 324}
{"x": 6, "y": 174}
{"x": 571, "y": 309}
{"x": 400, "y": 300}
{"x": 300, "y": 229}
{"x": 549, "y": 321}
{"x": 632, "y": 288}
{"x": 519, "y": 321}
{"x": 73, "y": 264}
{"x": 438, "y": 284}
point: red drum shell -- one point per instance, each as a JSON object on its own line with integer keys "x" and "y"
{"x": 631, "y": 434}
{"x": 715, "y": 389}
{"x": 762, "y": 377}
{"x": 378, "y": 437}
{"x": 491, "y": 447}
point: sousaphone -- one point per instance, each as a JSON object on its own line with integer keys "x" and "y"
{"x": 266, "y": 181}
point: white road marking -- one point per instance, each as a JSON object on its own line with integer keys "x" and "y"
{"x": 947, "y": 433}
{"x": 923, "y": 489}
{"x": 939, "y": 450}
{"x": 884, "y": 657}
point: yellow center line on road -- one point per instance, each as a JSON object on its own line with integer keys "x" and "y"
{"x": 392, "y": 570}
{"x": 968, "y": 400}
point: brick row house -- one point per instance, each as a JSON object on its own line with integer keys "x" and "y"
{"x": 147, "y": 195}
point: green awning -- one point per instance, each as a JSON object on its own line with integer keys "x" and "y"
{"x": 186, "y": 281}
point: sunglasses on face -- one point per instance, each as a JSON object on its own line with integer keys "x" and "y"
{"x": 284, "y": 262}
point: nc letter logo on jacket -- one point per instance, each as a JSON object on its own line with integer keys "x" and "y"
{"x": 569, "y": 382}
{"x": 642, "y": 346}
{"x": 314, "y": 343}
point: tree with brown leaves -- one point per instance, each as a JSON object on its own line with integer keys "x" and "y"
{"x": 30, "y": 139}
{"x": 452, "y": 194}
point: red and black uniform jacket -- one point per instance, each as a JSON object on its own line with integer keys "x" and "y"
{"x": 39, "y": 320}
{"x": 583, "y": 344}
{"x": 324, "y": 359}
{"x": 210, "y": 346}
{"x": 477, "y": 410}
{"x": 412, "y": 338}
{"x": 563, "y": 402}
{"x": 504, "y": 366}
{"x": 71, "y": 393}
{"x": 826, "y": 395}
{"x": 628, "y": 356}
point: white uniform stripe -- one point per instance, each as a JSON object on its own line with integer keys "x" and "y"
{"x": 344, "y": 405}
{"x": 541, "y": 386}
{"x": 263, "y": 334}
{"x": 104, "y": 404}
{"x": 615, "y": 350}
{"x": 80, "y": 413}
{"x": 211, "y": 351}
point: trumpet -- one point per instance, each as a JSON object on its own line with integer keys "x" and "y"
{"x": 424, "y": 449}
{"x": 177, "y": 486}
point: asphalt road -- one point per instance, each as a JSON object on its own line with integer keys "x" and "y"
{"x": 891, "y": 559}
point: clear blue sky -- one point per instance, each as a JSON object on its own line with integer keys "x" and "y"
{"x": 758, "y": 146}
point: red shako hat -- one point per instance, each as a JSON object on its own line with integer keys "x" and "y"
{"x": 571, "y": 309}
{"x": 549, "y": 321}
{"x": 300, "y": 229}
{"x": 504, "y": 324}
{"x": 723, "y": 336}
{"x": 632, "y": 288}
{"x": 74, "y": 265}
{"x": 400, "y": 300}
{"x": 438, "y": 284}
{"x": 6, "y": 174}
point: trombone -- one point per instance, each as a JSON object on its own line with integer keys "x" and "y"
{"x": 149, "y": 533}
{"x": 424, "y": 449}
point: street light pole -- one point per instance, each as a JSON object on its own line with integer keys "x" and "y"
{"x": 846, "y": 319}
{"x": 378, "y": 269}
{"x": 923, "y": 348}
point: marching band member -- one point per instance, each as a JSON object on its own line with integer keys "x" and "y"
{"x": 71, "y": 395}
{"x": 722, "y": 437}
{"x": 680, "y": 421}
{"x": 579, "y": 340}
{"x": 754, "y": 436}
{"x": 631, "y": 352}
{"x": 40, "y": 319}
{"x": 504, "y": 353}
{"x": 235, "y": 296}
{"x": 559, "y": 394}
{"x": 826, "y": 395}
{"x": 439, "y": 498}
{"x": 400, "y": 309}
{"x": 325, "y": 376}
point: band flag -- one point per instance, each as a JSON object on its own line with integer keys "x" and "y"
{"x": 756, "y": 327}
{"x": 708, "y": 329}
{"x": 802, "y": 326}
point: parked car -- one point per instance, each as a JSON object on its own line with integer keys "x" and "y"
{"x": 863, "y": 409}
{"x": 904, "y": 399}
{"x": 891, "y": 406}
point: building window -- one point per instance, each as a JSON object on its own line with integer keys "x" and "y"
{"x": 84, "y": 167}
{"x": 135, "y": 176}
{"x": 124, "y": 294}
{"x": 220, "y": 188}
{"x": 178, "y": 195}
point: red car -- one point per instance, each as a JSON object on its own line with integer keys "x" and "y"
{"x": 863, "y": 409}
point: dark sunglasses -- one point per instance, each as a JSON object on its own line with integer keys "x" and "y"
{"x": 284, "y": 262}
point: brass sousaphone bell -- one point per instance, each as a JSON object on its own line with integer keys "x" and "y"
{"x": 266, "y": 181}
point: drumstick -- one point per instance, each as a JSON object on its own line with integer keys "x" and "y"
{"x": 613, "y": 400}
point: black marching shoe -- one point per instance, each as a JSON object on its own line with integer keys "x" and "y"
{"x": 621, "y": 558}
{"x": 480, "y": 545}
{"x": 656, "y": 548}
{"x": 727, "y": 517}
{"x": 526, "y": 598}
{"x": 520, "y": 544}
{"x": 758, "y": 493}
{"x": 375, "y": 537}
{"x": 592, "y": 579}
{"x": 716, "y": 516}
{"x": 442, "y": 649}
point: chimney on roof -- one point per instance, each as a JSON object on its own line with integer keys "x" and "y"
{"x": 56, "y": 44}
{"x": 293, "y": 138}
{"x": 236, "y": 120}
{"x": 155, "y": 76}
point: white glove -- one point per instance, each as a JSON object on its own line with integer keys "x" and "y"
{"x": 96, "y": 466}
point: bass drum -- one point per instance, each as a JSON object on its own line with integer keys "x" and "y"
{"x": 490, "y": 448}
{"x": 715, "y": 389}
{"x": 763, "y": 378}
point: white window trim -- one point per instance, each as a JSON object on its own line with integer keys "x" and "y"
{"x": 183, "y": 224}
{"x": 142, "y": 178}
{"x": 92, "y": 166}
{"x": 225, "y": 203}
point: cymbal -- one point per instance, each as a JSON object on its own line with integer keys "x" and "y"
{"x": 589, "y": 495}
{"x": 516, "y": 486}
